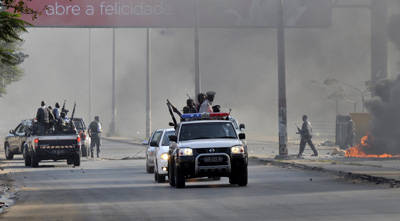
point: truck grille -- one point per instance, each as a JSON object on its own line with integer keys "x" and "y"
{"x": 213, "y": 150}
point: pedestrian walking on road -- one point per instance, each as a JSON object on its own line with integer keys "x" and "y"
{"x": 95, "y": 134}
{"x": 306, "y": 135}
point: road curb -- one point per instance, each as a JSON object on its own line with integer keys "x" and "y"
{"x": 342, "y": 174}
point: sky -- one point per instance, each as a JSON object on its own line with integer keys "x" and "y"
{"x": 239, "y": 64}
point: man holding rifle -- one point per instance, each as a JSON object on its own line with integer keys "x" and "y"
{"x": 305, "y": 133}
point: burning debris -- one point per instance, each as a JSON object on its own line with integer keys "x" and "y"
{"x": 363, "y": 149}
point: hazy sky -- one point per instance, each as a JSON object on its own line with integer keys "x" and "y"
{"x": 239, "y": 64}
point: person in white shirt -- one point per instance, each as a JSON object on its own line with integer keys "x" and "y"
{"x": 95, "y": 134}
{"x": 206, "y": 106}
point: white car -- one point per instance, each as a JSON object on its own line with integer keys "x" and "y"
{"x": 161, "y": 155}
{"x": 151, "y": 145}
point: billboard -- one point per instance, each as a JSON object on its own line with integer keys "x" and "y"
{"x": 180, "y": 13}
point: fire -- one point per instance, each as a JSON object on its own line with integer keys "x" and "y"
{"x": 358, "y": 151}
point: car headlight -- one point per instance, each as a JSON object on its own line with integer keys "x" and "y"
{"x": 185, "y": 152}
{"x": 237, "y": 150}
{"x": 164, "y": 156}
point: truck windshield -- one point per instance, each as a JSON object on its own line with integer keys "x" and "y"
{"x": 209, "y": 130}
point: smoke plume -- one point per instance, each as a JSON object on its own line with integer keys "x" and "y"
{"x": 385, "y": 105}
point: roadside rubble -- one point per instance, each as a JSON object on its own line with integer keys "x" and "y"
{"x": 7, "y": 192}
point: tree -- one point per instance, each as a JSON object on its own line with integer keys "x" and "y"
{"x": 341, "y": 91}
{"x": 11, "y": 28}
{"x": 11, "y": 73}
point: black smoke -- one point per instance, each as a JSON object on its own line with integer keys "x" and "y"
{"x": 385, "y": 123}
{"x": 385, "y": 105}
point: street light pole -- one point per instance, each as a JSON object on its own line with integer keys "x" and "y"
{"x": 281, "y": 83}
{"x": 196, "y": 52}
{"x": 90, "y": 74}
{"x": 148, "y": 87}
{"x": 113, "y": 111}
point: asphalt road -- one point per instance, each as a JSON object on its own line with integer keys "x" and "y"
{"x": 110, "y": 188}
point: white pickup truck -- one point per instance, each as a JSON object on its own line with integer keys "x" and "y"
{"x": 207, "y": 145}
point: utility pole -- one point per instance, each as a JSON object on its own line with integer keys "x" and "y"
{"x": 283, "y": 151}
{"x": 113, "y": 108}
{"x": 148, "y": 87}
{"x": 379, "y": 44}
{"x": 90, "y": 74}
{"x": 196, "y": 52}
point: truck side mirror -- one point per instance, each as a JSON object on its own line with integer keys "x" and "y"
{"x": 242, "y": 127}
{"x": 153, "y": 143}
{"x": 242, "y": 136}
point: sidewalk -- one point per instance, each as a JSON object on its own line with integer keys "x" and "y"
{"x": 377, "y": 170}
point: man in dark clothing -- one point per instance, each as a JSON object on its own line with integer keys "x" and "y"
{"x": 42, "y": 117}
{"x": 95, "y": 133}
{"x": 201, "y": 97}
{"x": 189, "y": 108}
{"x": 306, "y": 136}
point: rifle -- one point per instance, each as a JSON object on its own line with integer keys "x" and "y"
{"x": 63, "y": 108}
{"x": 173, "y": 108}
{"x": 73, "y": 111}
{"x": 299, "y": 131}
{"x": 171, "y": 113}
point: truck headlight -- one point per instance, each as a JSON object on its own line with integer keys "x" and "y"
{"x": 237, "y": 150}
{"x": 185, "y": 152}
{"x": 164, "y": 156}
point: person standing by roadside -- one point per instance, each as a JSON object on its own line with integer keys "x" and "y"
{"x": 351, "y": 133}
{"x": 306, "y": 136}
{"x": 95, "y": 134}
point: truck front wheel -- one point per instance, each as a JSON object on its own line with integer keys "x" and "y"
{"x": 179, "y": 178}
{"x": 9, "y": 155}
{"x": 242, "y": 176}
{"x": 171, "y": 174}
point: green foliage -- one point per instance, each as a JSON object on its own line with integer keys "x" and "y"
{"x": 11, "y": 72}
{"x": 10, "y": 29}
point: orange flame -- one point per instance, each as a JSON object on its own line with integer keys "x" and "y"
{"x": 358, "y": 151}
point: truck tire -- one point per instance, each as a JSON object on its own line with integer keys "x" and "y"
{"x": 84, "y": 151}
{"x": 233, "y": 177}
{"x": 27, "y": 158}
{"x": 179, "y": 178}
{"x": 171, "y": 174}
{"x": 9, "y": 155}
{"x": 149, "y": 169}
{"x": 34, "y": 160}
{"x": 242, "y": 176}
{"x": 157, "y": 177}
{"x": 77, "y": 160}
